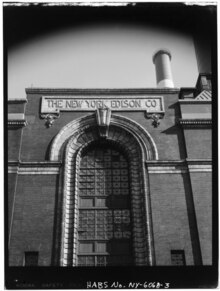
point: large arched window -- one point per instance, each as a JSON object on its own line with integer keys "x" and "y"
{"x": 106, "y": 218}
{"x": 104, "y": 224}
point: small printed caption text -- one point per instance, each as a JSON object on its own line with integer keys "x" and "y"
{"x": 131, "y": 285}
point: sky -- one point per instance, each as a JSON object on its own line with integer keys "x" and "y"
{"x": 113, "y": 55}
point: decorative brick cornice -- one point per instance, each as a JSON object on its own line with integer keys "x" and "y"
{"x": 16, "y": 120}
{"x": 195, "y": 101}
{"x": 127, "y": 91}
{"x": 194, "y": 123}
{"x": 16, "y": 123}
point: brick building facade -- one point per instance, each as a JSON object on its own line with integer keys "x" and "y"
{"x": 139, "y": 159}
{"x": 113, "y": 177}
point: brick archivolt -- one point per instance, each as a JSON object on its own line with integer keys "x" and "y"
{"x": 144, "y": 139}
{"x": 142, "y": 234}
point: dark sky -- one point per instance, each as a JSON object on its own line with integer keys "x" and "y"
{"x": 100, "y": 47}
{"x": 24, "y": 22}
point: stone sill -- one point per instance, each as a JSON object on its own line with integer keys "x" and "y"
{"x": 195, "y": 122}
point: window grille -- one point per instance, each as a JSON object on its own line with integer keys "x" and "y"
{"x": 178, "y": 258}
{"x": 104, "y": 230}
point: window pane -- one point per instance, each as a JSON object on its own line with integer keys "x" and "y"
{"x": 101, "y": 260}
{"x": 85, "y": 247}
{"x": 85, "y": 202}
{"x": 101, "y": 247}
{"x": 178, "y": 257}
{"x": 90, "y": 261}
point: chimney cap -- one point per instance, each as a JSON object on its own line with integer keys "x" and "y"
{"x": 161, "y": 51}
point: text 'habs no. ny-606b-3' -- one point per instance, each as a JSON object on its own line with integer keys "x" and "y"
{"x": 55, "y": 104}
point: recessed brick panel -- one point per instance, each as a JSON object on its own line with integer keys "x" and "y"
{"x": 33, "y": 221}
{"x": 202, "y": 194}
{"x": 170, "y": 218}
{"x": 198, "y": 143}
{"x": 14, "y": 139}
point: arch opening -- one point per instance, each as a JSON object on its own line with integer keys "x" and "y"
{"x": 72, "y": 145}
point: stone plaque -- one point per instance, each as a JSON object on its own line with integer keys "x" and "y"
{"x": 56, "y": 104}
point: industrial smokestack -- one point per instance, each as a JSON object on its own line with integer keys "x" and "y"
{"x": 161, "y": 59}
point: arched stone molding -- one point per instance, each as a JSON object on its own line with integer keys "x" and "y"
{"x": 79, "y": 125}
{"x": 140, "y": 205}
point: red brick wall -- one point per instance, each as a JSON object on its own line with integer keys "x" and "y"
{"x": 202, "y": 193}
{"x": 33, "y": 222}
{"x": 171, "y": 199}
{"x": 14, "y": 138}
{"x": 167, "y": 136}
{"x": 37, "y": 138}
{"x": 10, "y": 196}
{"x": 170, "y": 217}
{"x": 198, "y": 143}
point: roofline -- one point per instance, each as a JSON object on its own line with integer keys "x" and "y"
{"x": 106, "y": 91}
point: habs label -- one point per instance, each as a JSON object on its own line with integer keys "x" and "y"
{"x": 55, "y": 104}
